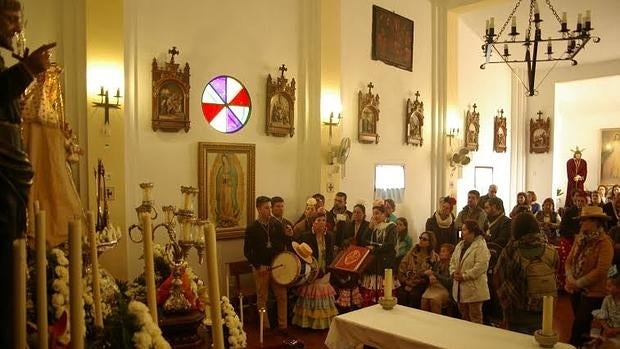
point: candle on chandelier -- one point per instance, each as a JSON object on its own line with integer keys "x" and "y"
{"x": 492, "y": 23}
{"x": 514, "y": 22}
{"x": 549, "y": 47}
{"x": 588, "y": 20}
{"x": 536, "y": 10}
{"x": 506, "y": 50}
{"x": 579, "y": 22}
{"x": 563, "y": 17}
{"x": 486, "y": 27}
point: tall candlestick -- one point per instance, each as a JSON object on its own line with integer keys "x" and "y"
{"x": 214, "y": 287}
{"x": 547, "y": 323}
{"x": 19, "y": 293}
{"x": 41, "y": 273}
{"x": 76, "y": 309}
{"x": 94, "y": 269}
{"x": 149, "y": 265}
{"x": 261, "y": 315}
{"x": 388, "y": 284}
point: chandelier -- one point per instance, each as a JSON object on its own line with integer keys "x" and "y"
{"x": 527, "y": 49}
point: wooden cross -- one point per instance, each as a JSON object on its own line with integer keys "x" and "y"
{"x": 475, "y": 106}
{"x": 370, "y": 86}
{"x": 282, "y": 69}
{"x": 173, "y": 52}
{"x": 539, "y": 114}
{"x": 501, "y": 112}
{"x": 417, "y": 94}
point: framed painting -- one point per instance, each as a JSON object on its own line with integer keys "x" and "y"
{"x": 499, "y": 132}
{"x": 280, "y": 105}
{"x": 392, "y": 38}
{"x": 414, "y": 120}
{"x": 610, "y": 156}
{"x": 472, "y": 129}
{"x": 483, "y": 178}
{"x": 540, "y": 134}
{"x": 368, "y": 116}
{"x": 170, "y": 95}
{"x": 226, "y": 186}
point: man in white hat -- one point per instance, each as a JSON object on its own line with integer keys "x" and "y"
{"x": 15, "y": 170}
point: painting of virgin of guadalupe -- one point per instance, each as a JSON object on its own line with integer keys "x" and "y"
{"x": 226, "y": 187}
{"x": 610, "y": 156}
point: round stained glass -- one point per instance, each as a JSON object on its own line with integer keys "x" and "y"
{"x": 226, "y": 104}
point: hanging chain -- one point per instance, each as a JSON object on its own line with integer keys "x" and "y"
{"x": 554, "y": 11}
{"x": 529, "y": 23}
{"x": 508, "y": 19}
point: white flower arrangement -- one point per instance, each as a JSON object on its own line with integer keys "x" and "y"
{"x": 237, "y": 338}
{"x": 60, "y": 287}
{"x": 149, "y": 335}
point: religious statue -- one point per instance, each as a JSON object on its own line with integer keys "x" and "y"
{"x": 414, "y": 121}
{"x": 576, "y": 171}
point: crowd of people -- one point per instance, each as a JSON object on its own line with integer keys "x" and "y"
{"x": 482, "y": 264}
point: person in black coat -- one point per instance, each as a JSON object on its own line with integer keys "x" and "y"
{"x": 353, "y": 230}
{"x": 442, "y": 223}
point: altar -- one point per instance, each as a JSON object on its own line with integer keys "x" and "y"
{"x": 404, "y": 327}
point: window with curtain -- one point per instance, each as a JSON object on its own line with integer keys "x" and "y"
{"x": 390, "y": 182}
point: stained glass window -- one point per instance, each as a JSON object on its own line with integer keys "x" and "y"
{"x": 226, "y": 104}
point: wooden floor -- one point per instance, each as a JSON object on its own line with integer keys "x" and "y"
{"x": 313, "y": 339}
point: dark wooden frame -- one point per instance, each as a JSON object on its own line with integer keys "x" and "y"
{"x": 368, "y": 116}
{"x": 413, "y": 130}
{"x": 168, "y": 82}
{"x": 540, "y": 134}
{"x": 472, "y": 124}
{"x": 207, "y": 177}
{"x": 499, "y": 139}
{"x": 392, "y": 38}
{"x": 280, "y": 121}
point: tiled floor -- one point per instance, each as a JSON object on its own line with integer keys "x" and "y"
{"x": 314, "y": 339}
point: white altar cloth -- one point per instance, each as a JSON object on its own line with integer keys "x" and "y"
{"x": 404, "y": 327}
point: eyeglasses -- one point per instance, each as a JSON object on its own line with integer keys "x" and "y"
{"x": 424, "y": 239}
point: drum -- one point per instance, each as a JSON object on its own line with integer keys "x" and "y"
{"x": 289, "y": 270}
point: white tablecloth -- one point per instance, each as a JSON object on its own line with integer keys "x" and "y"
{"x": 404, "y": 327}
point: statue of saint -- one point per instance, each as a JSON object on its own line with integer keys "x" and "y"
{"x": 576, "y": 173}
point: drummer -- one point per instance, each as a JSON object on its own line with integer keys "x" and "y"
{"x": 264, "y": 239}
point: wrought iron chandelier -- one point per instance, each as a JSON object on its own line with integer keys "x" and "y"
{"x": 532, "y": 41}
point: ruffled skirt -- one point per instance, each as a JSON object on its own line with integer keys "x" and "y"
{"x": 316, "y": 305}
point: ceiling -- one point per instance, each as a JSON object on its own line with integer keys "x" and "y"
{"x": 605, "y": 16}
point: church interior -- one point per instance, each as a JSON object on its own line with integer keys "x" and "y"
{"x": 174, "y": 117}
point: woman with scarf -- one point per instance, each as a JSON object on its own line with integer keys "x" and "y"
{"x": 468, "y": 267}
{"x": 412, "y": 272}
{"x": 403, "y": 239}
{"x": 549, "y": 221}
{"x": 381, "y": 239}
{"x": 442, "y": 223}
{"x": 522, "y": 313}
{"x": 586, "y": 270}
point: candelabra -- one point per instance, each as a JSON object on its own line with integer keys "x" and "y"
{"x": 190, "y": 234}
{"x": 575, "y": 40}
{"x": 452, "y": 133}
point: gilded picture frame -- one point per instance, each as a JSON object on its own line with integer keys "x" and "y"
{"x": 392, "y": 38}
{"x": 610, "y": 156}
{"x": 499, "y": 132}
{"x": 368, "y": 116}
{"x": 280, "y": 116}
{"x": 170, "y": 95}
{"x": 414, "y": 120}
{"x": 540, "y": 134}
{"x": 226, "y": 186}
{"x": 472, "y": 129}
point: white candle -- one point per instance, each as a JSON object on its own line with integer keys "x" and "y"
{"x": 514, "y": 21}
{"x": 214, "y": 288}
{"x": 588, "y": 19}
{"x": 536, "y": 10}
{"x": 149, "y": 266}
{"x": 486, "y": 26}
{"x": 19, "y": 293}
{"x": 547, "y": 323}
{"x": 261, "y": 313}
{"x": 94, "y": 269}
{"x": 241, "y": 307}
{"x": 563, "y": 17}
{"x": 76, "y": 308}
{"x": 492, "y": 23}
{"x": 41, "y": 274}
{"x": 579, "y": 19}
{"x": 388, "y": 284}
{"x": 187, "y": 204}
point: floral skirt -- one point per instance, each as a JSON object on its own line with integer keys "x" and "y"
{"x": 564, "y": 248}
{"x": 372, "y": 288}
{"x": 316, "y": 305}
{"x": 349, "y": 297}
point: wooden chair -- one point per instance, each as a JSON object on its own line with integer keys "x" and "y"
{"x": 245, "y": 295}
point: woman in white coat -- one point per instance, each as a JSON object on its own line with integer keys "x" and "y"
{"x": 468, "y": 268}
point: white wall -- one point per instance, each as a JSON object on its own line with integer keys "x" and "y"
{"x": 541, "y": 167}
{"x": 247, "y": 40}
{"x": 490, "y": 90}
{"x": 579, "y": 124}
{"x": 394, "y": 86}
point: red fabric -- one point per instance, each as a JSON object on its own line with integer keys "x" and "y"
{"x": 575, "y": 167}
{"x": 163, "y": 292}
{"x": 56, "y": 330}
{"x": 564, "y": 248}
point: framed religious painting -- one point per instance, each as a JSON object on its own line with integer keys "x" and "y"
{"x": 280, "y": 114}
{"x": 368, "y": 116}
{"x": 170, "y": 95}
{"x": 414, "y": 120}
{"x": 226, "y": 186}
{"x": 499, "y": 132}
{"x": 610, "y": 156}
{"x": 472, "y": 128}
{"x": 540, "y": 134}
{"x": 392, "y": 38}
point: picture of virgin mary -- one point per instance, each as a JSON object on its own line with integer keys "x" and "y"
{"x": 227, "y": 190}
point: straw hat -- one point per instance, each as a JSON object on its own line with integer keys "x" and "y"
{"x": 304, "y": 251}
{"x": 593, "y": 212}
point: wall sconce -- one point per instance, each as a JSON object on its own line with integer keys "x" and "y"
{"x": 333, "y": 122}
{"x": 451, "y": 133}
{"x": 104, "y": 103}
